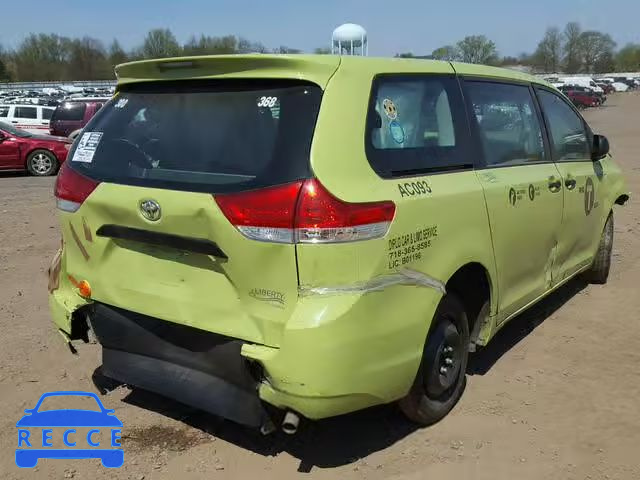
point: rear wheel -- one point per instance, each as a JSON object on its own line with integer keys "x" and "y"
{"x": 441, "y": 377}
{"x": 599, "y": 271}
{"x": 42, "y": 163}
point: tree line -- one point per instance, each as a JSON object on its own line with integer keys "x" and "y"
{"x": 51, "y": 57}
{"x": 571, "y": 50}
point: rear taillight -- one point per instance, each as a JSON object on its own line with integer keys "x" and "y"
{"x": 72, "y": 189}
{"x": 304, "y": 212}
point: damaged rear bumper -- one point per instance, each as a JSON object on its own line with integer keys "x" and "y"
{"x": 198, "y": 368}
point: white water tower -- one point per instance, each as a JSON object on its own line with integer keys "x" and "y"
{"x": 350, "y": 39}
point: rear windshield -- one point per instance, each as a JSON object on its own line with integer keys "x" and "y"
{"x": 202, "y": 136}
{"x": 69, "y": 111}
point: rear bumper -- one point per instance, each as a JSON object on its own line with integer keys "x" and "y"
{"x": 195, "y": 367}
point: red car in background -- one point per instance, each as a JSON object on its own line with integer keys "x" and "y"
{"x": 40, "y": 155}
{"x": 70, "y": 117}
{"x": 582, "y": 99}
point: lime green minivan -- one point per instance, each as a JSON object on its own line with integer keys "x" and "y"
{"x": 258, "y": 235}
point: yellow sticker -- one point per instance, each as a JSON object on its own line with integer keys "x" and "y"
{"x": 390, "y": 109}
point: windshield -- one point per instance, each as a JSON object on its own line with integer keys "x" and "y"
{"x": 202, "y": 136}
{"x": 16, "y": 132}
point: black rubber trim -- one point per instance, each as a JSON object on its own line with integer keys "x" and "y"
{"x": 195, "y": 245}
{"x": 196, "y": 367}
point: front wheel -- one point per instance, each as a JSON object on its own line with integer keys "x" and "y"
{"x": 42, "y": 163}
{"x": 599, "y": 271}
{"x": 441, "y": 377}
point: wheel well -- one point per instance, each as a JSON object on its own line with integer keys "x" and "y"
{"x": 471, "y": 285}
{"x": 622, "y": 199}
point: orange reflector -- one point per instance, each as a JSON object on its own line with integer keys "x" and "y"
{"x": 84, "y": 289}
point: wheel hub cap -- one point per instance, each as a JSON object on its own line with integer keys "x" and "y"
{"x": 41, "y": 163}
{"x": 444, "y": 354}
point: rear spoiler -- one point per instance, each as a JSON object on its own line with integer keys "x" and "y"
{"x": 317, "y": 69}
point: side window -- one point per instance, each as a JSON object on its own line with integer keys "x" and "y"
{"x": 4, "y": 111}
{"x": 26, "y": 112}
{"x": 508, "y": 123}
{"x": 46, "y": 113}
{"x": 569, "y": 135}
{"x": 416, "y": 124}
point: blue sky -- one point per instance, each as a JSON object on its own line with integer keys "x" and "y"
{"x": 418, "y": 26}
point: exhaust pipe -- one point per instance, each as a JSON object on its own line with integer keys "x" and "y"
{"x": 290, "y": 423}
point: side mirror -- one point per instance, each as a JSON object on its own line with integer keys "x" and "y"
{"x": 600, "y": 147}
{"x": 2, "y": 136}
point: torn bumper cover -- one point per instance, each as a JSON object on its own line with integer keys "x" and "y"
{"x": 198, "y": 368}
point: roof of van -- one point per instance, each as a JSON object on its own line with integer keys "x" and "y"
{"x": 314, "y": 68}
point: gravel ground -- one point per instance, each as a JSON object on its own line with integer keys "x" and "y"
{"x": 555, "y": 396}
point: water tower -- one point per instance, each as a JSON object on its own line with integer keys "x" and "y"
{"x": 350, "y": 39}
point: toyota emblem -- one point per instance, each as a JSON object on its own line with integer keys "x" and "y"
{"x": 150, "y": 209}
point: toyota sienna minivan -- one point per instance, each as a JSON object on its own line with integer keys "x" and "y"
{"x": 254, "y": 235}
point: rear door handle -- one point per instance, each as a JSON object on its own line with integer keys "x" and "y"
{"x": 555, "y": 186}
{"x": 570, "y": 183}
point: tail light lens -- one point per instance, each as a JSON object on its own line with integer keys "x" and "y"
{"x": 304, "y": 212}
{"x": 72, "y": 189}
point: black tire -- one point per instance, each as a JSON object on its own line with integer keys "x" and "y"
{"x": 599, "y": 271}
{"x": 42, "y": 163}
{"x": 435, "y": 391}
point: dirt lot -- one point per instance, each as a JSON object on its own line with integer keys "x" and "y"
{"x": 556, "y": 396}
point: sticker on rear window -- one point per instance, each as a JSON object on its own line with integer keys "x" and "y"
{"x": 87, "y": 147}
{"x": 121, "y": 103}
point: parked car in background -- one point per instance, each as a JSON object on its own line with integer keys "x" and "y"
{"x": 29, "y": 117}
{"x": 607, "y": 87}
{"x": 71, "y": 116}
{"x": 582, "y": 82}
{"x": 581, "y": 97}
{"x": 40, "y": 155}
{"x": 620, "y": 87}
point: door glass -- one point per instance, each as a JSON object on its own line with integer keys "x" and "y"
{"x": 4, "y": 111}
{"x": 568, "y": 133}
{"x": 46, "y": 113}
{"x": 416, "y": 124}
{"x": 26, "y": 112}
{"x": 507, "y": 122}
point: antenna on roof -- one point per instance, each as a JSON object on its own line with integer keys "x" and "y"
{"x": 350, "y": 39}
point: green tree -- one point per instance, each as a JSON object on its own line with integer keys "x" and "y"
{"x": 596, "y": 50}
{"x": 548, "y": 54}
{"x": 404, "y": 55}
{"x": 628, "y": 58}
{"x": 206, "y": 45}
{"x": 286, "y": 50}
{"x": 5, "y": 74}
{"x": 448, "y": 53}
{"x": 322, "y": 50}
{"x": 246, "y": 46}
{"x": 43, "y": 57}
{"x": 160, "y": 43}
{"x": 477, "y": 49}
{"x": 88, "y": 60}
{"x": 117, "y": 55}
{"x": 572, "y": 48}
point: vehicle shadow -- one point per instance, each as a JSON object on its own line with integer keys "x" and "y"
{"x": 519, "y": 327}
{"x": 346, "y": 439}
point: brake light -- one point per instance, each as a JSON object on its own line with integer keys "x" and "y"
{"x": 304, "y": 212}
{"x": 72, "y": 189}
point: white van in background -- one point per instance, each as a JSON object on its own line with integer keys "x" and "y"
{"x": 587, "y": 82}
{"x": 29, "y": 117}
